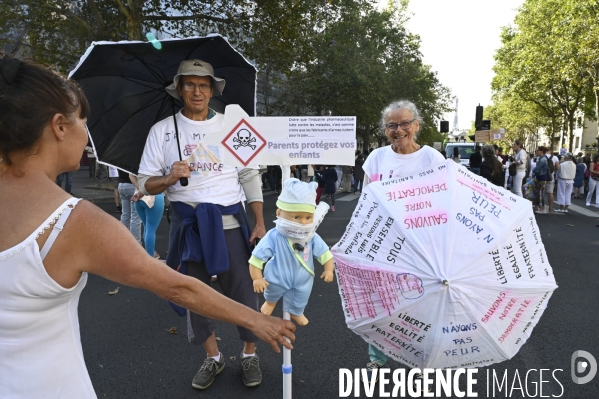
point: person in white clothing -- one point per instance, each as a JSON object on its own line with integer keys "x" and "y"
{"x": 400, "y": 122}
{"x": 521, "y": 158}
{"x": 209, "y": 231}
{"x": 43, "y": 134}
{"x": 550, "y": 186}
{"x": 565, "y": 182}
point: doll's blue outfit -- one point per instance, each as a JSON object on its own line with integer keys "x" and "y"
{"x": 290, "y": 273}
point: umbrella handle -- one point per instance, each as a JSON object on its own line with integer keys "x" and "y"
{"x": 183, "y": 180}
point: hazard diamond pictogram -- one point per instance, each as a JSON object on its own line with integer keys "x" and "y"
{"x": 244, "y": 142}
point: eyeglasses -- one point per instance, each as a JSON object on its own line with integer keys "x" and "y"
{"x": 204, "y": 88}
{"x": 392, "y": 127}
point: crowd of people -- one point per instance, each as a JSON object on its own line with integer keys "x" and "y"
{"x": 330, "y": 178}
{"x": 544, "y": 178}
{"x": 209, "y": 231}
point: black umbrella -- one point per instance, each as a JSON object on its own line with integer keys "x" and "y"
{"x": 124, "y": 83}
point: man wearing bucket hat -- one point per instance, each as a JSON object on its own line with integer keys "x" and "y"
{"x": 220, "y": 244}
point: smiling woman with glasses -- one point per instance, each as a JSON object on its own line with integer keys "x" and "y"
{"x": 400, "y": 122}
{"x": 392, "y": 127}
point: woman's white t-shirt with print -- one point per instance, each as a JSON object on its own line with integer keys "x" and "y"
{"x": 384, "y": 163}
{"x": 210, "y": 181}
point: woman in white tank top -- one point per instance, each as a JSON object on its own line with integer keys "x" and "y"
{"x": 42, "y": 134}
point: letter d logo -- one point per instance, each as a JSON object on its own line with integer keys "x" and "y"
{"x": 582, "y": 366}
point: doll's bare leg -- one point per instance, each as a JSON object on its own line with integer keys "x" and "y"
{"x": 268, "y": 307}
{"x": 300, "y": 320}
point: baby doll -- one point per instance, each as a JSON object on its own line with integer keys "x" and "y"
{"x": 289, "y": 251}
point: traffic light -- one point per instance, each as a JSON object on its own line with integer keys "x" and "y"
{"x": 485, "y": 125}
{"x": 444, "y": 127}
{"x": 479, "y": 117}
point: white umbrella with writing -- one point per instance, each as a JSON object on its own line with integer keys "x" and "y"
{"x": 442, "y": 269}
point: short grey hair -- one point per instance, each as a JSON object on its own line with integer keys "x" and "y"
{"x": 400, "y": 104}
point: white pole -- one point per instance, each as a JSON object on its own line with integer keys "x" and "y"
{"x": 287, "y": 368}
{"x": 286, "y": 172}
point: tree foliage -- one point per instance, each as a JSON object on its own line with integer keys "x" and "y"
{"x": 538, "y": 69}
{"x": 363, "y": 60}
{"x": 341, "y": 57}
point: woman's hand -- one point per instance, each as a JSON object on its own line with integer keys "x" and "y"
{"x": 272, "y": 330}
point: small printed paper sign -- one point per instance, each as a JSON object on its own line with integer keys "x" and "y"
{"x": 276, "y": 140}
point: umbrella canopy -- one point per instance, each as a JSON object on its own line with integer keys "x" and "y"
{"x": 125, "y": 85}
{"x": 442, "y": 269}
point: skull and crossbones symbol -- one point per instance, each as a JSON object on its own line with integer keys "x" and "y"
{"x": 245, "y": 139}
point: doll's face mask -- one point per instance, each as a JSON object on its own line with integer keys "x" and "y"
{"x": 297, "y": 232}
{"x": 302, "y": 233}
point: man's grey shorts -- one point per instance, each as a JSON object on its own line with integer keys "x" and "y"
{"x": 549, "y": 187}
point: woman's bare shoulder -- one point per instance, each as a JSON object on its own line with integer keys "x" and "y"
{"x": 86, "y": 215}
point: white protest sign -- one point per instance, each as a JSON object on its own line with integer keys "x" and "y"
{"x": 282, "y": 140}
{"x": 113, "y": 172}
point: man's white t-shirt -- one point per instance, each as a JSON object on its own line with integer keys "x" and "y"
{"x": 210, "y": 182}
{"x": 384, "y": 163}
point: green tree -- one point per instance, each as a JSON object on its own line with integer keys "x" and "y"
{"x": 58, "y": 31}
{"x": 363, "y": 60}
{"x": 579, "y": 34}
{"x": 532, "y": 64}
{"x": 522, "y": 120}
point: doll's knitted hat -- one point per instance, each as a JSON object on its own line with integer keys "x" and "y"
{"x": 298, "y": 196}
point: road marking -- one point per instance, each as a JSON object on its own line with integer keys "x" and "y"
{"x": 584, "y": 211}
{"x": 349, "y": 197}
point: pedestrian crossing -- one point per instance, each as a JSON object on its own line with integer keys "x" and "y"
{"x": 583, "y": 211}
{"x": 348, "y": 197}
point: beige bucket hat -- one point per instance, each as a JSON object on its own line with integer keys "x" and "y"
{"x": 197, "y": 68}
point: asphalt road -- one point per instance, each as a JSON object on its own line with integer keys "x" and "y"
{"x": 130, "y": 353}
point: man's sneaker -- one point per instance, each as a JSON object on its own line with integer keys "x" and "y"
{"x": 208, "y": 372}
{"x": 370, "y": 367}
{"x": 588, "y": 204}
{"x": 250, "y": 373}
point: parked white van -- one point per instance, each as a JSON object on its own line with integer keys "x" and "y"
{"x": 465, "y": 149}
